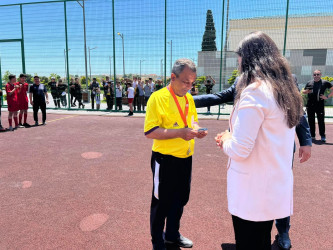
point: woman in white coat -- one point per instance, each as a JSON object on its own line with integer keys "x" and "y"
{"x": 260, "y": 143}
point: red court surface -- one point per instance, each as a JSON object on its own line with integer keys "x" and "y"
{"x": 84, "y": 182}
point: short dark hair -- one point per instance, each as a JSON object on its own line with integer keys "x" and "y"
{"x": 11, "y": 76}
{"x": 36, "y": 77}
{"x": 23, "y": 75}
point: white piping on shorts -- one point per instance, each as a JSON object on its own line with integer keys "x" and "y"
{"x": 156, "y": 179}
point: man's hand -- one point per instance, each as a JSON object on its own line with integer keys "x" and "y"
{"x": 188, "y": 134}
{"x": 202, "y": 134}
{"x": 47, "y": 101}
{"x": 304, "y": 153}
{"x": 32, "y": 103}
{"x": 323, "y": 97}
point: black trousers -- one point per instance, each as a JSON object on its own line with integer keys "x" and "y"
{"x": 42, "y": 107}
{"x": 251, "y": 234}
{"x": 171, "y": 192}
{"x": 119, "y": 101}
{"x": 92, "y": 101}
{"x": 312, "y": 111}
{"x": 109, "y": 102}
{"x": 0, "y": 113}
{"x": 56, "y": 100}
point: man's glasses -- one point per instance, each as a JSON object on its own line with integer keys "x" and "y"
{"x": 316, "y": 74}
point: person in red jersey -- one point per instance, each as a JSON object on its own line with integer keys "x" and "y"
{"x": 12, "y": 89}
{"x": 23, "y": 100}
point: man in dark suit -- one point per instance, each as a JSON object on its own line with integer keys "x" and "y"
{"x": 303, "y": 134}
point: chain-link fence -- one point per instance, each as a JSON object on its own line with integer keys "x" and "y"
{"x": 127, "y": 38}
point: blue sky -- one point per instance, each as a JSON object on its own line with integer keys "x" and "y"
{"x": 141, "y": 22}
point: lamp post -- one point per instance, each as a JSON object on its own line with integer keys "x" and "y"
{"x": 89, "y": 49}
{"x": 122, "y": 38}
{"x": 85, "y": 41}
{"x": 65, "y": 62}
{"x": 170, "y": 55}
{"x": 141, "y": 61}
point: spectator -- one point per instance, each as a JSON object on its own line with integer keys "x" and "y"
{"x": 37, "y": 95}
{"x": 134, "y": 85}
{"x": 151, "y": 84}
{"x": 108, "y": 89}
{"x": 141, "y": 96}
{"x": 53, "y": 85}
{"x": 78, "y": 92}
{"x": 209, "y": 83}
{"x": 23, "y": 100}
{"x": 98, "y": 97}
{"x": 119, "y": 96}
{"x": 130, "y": 97}
{"x": 147, "y": 91}
{"x": 315, "y": 90}
{"x": 158, "y": 85}
{"x": 12, "y": 90}
{"x": 194, "y": 90}
{"x": 62, "y": 88}
{"x": 2, "y": 129}
{"x": 93, "y": 88}
{"x": 72, "y": 92}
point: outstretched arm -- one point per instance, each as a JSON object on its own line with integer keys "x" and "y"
{"x": 224, "y": 96}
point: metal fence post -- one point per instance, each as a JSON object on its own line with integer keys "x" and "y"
{"x": 220, "y": 89}
{"x": 22, "y": 41}
{"x": 67, "y": 69}
{"x": 285, "y": 29}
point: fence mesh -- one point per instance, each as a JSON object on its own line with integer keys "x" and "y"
{"x": 130, "y": 38}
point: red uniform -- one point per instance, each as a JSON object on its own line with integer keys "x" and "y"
{"x": 12, "y": 101}
{"x": 22, "y": 96}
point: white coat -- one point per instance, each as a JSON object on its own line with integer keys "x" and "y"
{"x": 259, "y": 178}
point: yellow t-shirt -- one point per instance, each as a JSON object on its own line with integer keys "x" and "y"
{"x": 162, "y": 112}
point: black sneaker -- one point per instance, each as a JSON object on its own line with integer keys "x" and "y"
{"x": 181, "y": 242}
{"x": 36, "y": 124}
{"x": 27, "y": 125}
{"x": 323, "y": 139}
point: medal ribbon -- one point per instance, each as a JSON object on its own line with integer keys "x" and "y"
{"x": 183, "y": 116}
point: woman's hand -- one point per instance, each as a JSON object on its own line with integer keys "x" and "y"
{"x": 222, "y": 137}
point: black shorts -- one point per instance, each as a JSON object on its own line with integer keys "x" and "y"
{"x": 171, "y": 177}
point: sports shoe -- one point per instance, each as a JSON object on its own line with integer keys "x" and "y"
{"x": 181, "y": 242}
{"x": 20, "y": 126}
{"x": 44, "y": 123}
{"x": 2, "y": 129}
{"x": 11, "y": 128}
{"x": 26, "y": 125}
{"x": 36, "y": 124}
{"x": 323, "y": 139}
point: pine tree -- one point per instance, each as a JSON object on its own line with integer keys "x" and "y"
{"x": 208, "y": 39}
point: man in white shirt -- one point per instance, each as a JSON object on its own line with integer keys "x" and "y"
{"x": 119, "y": 96}
{"x": 130, "y": 97}
{"x": 151, "y": 84}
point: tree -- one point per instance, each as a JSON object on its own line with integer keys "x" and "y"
{"x": 5, "y": 77}
{"x": 233, "y": 77}
{"x": 208, "y": 39}
{"x": 56, "y": 76}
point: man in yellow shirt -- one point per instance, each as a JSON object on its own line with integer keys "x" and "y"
{"x": 171, "y": 120}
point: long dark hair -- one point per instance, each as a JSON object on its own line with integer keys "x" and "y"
{"x": 262, "y": 61}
